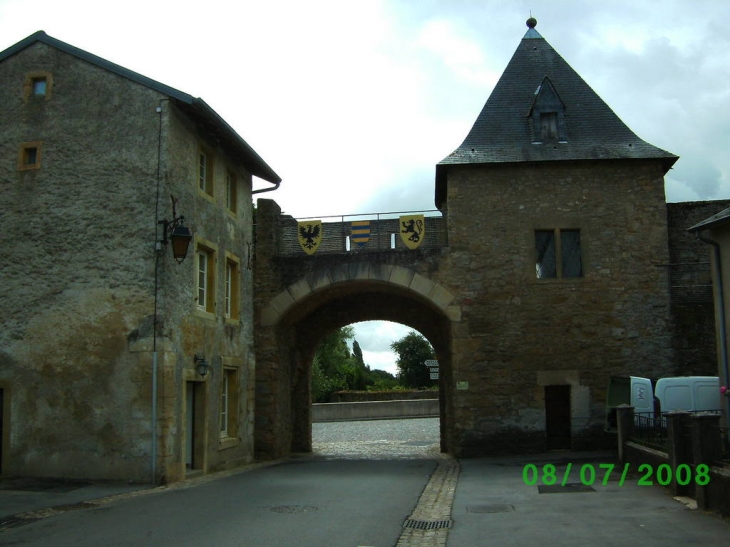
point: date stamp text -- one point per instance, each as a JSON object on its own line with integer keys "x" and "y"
{"x": 589, "y": 473}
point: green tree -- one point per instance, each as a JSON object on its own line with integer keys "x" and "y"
{"x": 335, "y": 368}
{"x": 381, "y": 380}
{"x": 413, "y": 350}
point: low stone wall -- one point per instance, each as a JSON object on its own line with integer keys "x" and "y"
{"x": 375, "y": 410}
{"x": 360, "y": 396}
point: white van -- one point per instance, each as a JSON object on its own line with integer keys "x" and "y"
{"x": 694, "y": 393}
{"x": 628, "y": 390}
{"x": 688, "y": 393}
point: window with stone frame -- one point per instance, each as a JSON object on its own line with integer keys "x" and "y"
{"x": 205, "y": 277}
{"x": 231, "y": 192}
{"x": 29, "y": 156}
{"x": 205, "y": 172}
{"x": 38, "y": 85}
{"x": 558, "y": 254}
{"x": 232, "y": 284}
{"x": 229, "y": 403}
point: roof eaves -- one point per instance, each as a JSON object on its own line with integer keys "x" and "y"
{"x": 255, "y": 163}
{"x": 42, "y": 37}
{"x": 715, "y": 220}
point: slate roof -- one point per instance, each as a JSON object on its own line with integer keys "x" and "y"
{"x": 715, "y": 220}
{"x": 502, "y": 131}
{"x": 207, "y": 120}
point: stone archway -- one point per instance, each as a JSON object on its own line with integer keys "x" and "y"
{"x": 295, "y": 321}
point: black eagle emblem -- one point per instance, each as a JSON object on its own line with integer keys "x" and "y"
{"x": 309, "y": 235}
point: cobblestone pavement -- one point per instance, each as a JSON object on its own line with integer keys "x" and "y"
{"x": 377, "y": 439}
{"x": 428, "y": 524}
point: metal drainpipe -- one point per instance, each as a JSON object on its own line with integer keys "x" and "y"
{"x": 153, "y": 417}
{"x": 276, "y": 185}
{"x": 722, "y": 317}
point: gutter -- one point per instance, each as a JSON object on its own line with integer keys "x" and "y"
{"x": 262, "y": 190}
{"x": 722, "y": 315}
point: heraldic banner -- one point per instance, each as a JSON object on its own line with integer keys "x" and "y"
{"x": 412, "y": 230}
{"x": 360, "y": 232}
{"x": 310, "y": 235}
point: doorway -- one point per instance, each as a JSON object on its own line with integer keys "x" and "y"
{"x": 557, "y": 417}
{"x": 194, "y": 426}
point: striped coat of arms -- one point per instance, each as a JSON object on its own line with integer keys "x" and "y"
{"x": 360, "y": 232}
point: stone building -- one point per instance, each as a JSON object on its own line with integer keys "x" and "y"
{"x": 555, "y": 272}
{"x": 557, "y": 231}
{"x": 96, "y": 162}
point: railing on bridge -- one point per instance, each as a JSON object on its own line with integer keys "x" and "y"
{"x": 384, "y": 233}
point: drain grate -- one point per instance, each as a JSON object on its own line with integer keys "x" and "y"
{"x": 426, "y": 524}
{"x": 570, "y": 488}
{"x": 6, "y": 523}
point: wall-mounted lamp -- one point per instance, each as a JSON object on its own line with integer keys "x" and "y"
{"x": 177, "y": 234}
{"x": 201, "y": 365}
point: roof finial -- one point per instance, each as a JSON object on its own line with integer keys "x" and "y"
{"x": 531, "y": 22}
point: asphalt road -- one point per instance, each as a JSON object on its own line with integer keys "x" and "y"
{"x": 362, "y": 482}
{"x": 300, "y": 503}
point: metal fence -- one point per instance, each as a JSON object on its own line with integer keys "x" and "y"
{"x": 725, "y": 444}
{"x": 384, "y": 233}
{"x": 650, "y": 430}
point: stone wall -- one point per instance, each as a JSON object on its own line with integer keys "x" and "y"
{"x": 519, "y": 334}
{"x": 505, "y": 336}
{"x": 79, "y": 237}
{"x": 79, "y": 268}
{"x": 691, "y": 289}
{"x": 301, "y": 299}
{"x": 360, "y": 396}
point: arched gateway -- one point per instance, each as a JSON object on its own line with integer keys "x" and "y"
{"x": 548, "y": 279}
{"x": 328, "y": 292}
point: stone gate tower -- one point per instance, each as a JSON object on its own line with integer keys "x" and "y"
{"x": 557, "y": 251}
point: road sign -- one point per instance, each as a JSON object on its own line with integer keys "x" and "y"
{"x": 434, "y": 375}
{"x": 431, "y": 363}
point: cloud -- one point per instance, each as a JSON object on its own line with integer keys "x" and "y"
{"x": 353, "y": 104}
{"x": 375, "y": 338}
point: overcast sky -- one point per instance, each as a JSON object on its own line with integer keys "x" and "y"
{"x": 354, "y": 103}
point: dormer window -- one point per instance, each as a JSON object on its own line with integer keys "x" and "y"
{"x": 547, "y": 115}
{"x": 549, "y": 125}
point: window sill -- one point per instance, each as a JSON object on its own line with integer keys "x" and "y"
{"x": 206, "y": 195}
{"x": 233, "y": 322}
{"x": 228, "y": 442}
{"x": 205, "y": 314}
{"x": 559, "y": 280}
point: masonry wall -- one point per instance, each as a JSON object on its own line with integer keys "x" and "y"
{"x": 79, "y": 233}
{"x": 300, "y": 299}
{"x": 518, "y": 333}
{"x": 691, "y": 289}
{"x": 78, "y": 268}
{"x": 225, "y": 342}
